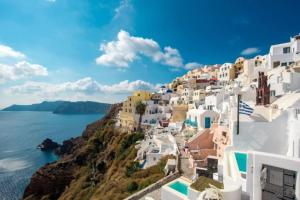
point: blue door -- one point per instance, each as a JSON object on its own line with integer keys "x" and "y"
{"x": 207, "y": 122}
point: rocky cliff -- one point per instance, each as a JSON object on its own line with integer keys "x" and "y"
{"x": 98, "y": 165}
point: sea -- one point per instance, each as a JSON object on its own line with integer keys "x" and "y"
{"x": 20, "y": 133}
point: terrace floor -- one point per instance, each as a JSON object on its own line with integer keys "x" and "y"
{"x": 155, "y": 195}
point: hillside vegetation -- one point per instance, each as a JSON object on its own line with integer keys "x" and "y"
{"x": 99, "y": 165}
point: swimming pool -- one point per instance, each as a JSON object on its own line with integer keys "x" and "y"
{"x": 241, "y": 159}
{"x": 179, "y": 187}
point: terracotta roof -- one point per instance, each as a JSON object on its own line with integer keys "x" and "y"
{"x": 202, "y": 141}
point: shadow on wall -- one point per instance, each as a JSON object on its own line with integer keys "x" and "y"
{"x": 269, "y": 137}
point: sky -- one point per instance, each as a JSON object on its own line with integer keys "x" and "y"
{"x": 102, "y": 50}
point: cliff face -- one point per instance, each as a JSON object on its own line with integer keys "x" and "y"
{"x": 97, "y": 165}
{"x": 50, "y": 181}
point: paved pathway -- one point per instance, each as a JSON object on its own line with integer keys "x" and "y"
{"x": 154, "y": 195}
{"x": 185, "y": 165}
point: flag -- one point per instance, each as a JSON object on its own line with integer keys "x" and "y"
{"x": 245, "y": 108}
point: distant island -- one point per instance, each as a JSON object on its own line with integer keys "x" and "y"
{"x": 63, "y": 107}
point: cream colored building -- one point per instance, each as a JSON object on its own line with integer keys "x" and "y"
{"x": 226, "y": 73}
{"x": 252, "y": 67}
{"x": 199, "y": 97}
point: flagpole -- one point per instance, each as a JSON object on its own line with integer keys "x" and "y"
{"x": 238, "y": 114}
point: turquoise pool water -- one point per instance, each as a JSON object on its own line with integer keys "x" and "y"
{"x": 179, "y": 187}
{"x": 241, "y": 159}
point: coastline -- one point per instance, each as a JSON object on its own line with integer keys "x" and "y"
{"x": 51, "y": 179}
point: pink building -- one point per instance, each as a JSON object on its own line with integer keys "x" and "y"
{"x": 221, "y": 138}
{"x": 199, "y": 147}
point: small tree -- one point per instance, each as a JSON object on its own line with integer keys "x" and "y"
{"x": 140, "y": 109}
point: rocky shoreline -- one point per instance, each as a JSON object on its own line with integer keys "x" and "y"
{"x": 50, "y": 181}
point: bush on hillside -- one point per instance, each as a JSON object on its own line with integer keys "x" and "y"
{"x": 132, "y": 186}
{"x": 130, "y": 140}
{"x": 131, "y": 168}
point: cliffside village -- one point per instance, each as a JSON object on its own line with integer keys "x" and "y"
{"x": 236, "y": 124}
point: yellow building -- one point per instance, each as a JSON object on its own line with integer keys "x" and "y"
{"x": 239, "y": 66}
{"x": 128, "y": 116}
{"x": 179, "y": 113}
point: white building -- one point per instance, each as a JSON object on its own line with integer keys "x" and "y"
{"x": 155, "y": 112}
{"x": 166, "y": 96}
{"x": 271, "y": 176}
{"x": 283, "y": 80}
{"x": 163, "y": 89}
{"x": 187, "y": 95}
{"x": 226, "y": 73}
{"x": 286, "y": 53}
{"x": 154, "y": 148}
{"x": 177, "y": 100}
{"x": 272, "y": 132}
{"x": 198, "y": 97}
{"x": 251, "y": 69}
{"x": 201, "y": 118}
{"x": 214, "y": 101}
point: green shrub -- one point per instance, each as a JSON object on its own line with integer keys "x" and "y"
{"x": 203, "y": 182}
{"x": 132, "y": 186}
{"x": 128, "y": 141}
{"x": 131, "y": 168}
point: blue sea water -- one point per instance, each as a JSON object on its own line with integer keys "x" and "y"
{"x": 20, "y": 133}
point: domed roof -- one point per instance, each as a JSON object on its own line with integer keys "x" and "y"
{"x": 162, "y": 86}
{"x": 169, "y": 91}
{"x": 240, "y": 59}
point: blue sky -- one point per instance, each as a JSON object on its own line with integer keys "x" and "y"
{"x": 103, "y": 49}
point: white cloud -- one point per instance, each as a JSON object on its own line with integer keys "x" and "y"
{"x": 127, "y": 49}
{"x": 21, "y": 70}
{"x": 124, "y": 6}
{"x": 11, "y": 68}
{"x": 250, "y": 51}
{"x": 8, "y": 52}
{"x": 192, "y": 65}
{"x": 86, "y": 87}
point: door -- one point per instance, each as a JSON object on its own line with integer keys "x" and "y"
{"x": 207, "y": 122}
{"x": 279, "y": 184}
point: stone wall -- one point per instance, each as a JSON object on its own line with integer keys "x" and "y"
{"x": 154, "y": 186}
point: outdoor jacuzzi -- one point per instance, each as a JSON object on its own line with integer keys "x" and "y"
{"x": 176, "y": 190}
{"x": 179, "y": 187}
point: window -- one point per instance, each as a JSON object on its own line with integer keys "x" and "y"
{"x": 273, "y": 93}
{"x": 284, "y": 64}
{"x": 224, "y": 133}
{"x": 286, "y": 50}
{"x": 276, "y": 64}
